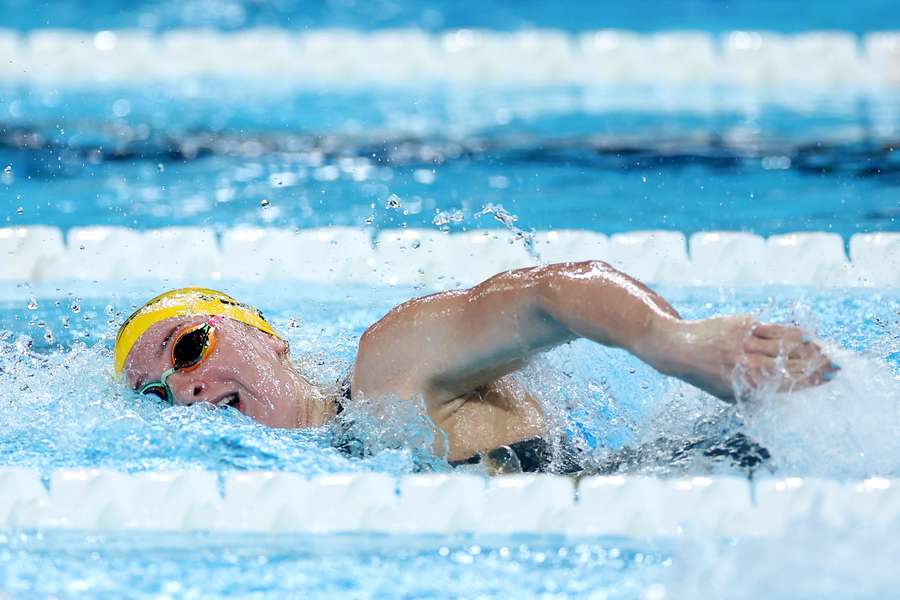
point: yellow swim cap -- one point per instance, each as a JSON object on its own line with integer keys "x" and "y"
{"x": 179, "y": 303}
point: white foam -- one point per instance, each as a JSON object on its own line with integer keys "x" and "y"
{"x": 412, "y": 57}
{"x": 846, "y": 426}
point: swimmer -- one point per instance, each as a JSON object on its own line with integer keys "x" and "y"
{"x": 457, "y": 351}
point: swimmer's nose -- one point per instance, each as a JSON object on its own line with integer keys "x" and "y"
{"x": 189, "y": 391}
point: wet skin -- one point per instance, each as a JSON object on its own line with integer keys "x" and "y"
{"x": 457, "y": 350}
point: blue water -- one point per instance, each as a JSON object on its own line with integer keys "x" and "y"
{"x": 709, "y": 15}
{"x": 556, "y": 158}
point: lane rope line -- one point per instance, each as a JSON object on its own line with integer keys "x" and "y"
{"x": 91, "y": 499}
{"x": 434, "y": 259}
{"x": 830, "y": 59}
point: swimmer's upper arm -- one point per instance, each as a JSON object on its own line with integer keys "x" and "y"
{"x": 448, "y": 344}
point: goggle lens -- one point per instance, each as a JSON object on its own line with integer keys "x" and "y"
{"x": 191, "y": 347}
{"x": 156, "y": 389}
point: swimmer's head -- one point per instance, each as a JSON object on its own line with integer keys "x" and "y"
{"x": 199, "y": 345}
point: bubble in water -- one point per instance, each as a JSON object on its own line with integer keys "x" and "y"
{"x": 264, "y": 203}
{"x": 32, "y": 304}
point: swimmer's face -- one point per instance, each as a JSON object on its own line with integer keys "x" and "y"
{"x": 247, "y": 369}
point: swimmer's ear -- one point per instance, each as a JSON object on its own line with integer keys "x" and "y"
{"x": 278, "y": 345}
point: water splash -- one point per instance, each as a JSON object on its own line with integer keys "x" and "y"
{"x": 849, "y": 427}
{"x": 509, "y": 221}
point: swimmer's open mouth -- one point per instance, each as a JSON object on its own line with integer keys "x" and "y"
{"x": 233, "y": 400}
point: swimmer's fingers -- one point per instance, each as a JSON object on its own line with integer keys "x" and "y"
{"x": 794, "y": 373}
{"x": 789, "y": 333}
{"x": 781, "y": 347}
{"x": 804, "y": 373}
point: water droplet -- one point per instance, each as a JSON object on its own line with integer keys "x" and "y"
{"x": 264, "y": 203}
{"x": 393, "y": 201}
{"x": 160, "y": 167}
{"x": 32, "y": 304}
{"x": 75, "y": 308}
{"x": 416, "y": 244}
{"x": 446, "y": 217}
{"x": 643, "y": 179}
{"x": 48, "y": 336}
{"x": 20, "y": 211}
{"x": 7, "y": 170}
{"x": 369, "y": 220}
{"x": 293, "y": 323}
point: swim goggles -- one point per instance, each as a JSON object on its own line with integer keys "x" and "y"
{"x": 190, "y": 348}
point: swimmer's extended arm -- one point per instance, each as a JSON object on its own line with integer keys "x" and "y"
{"x": 449, "y": 344}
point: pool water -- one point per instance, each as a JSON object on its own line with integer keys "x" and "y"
{"x": 566, "y": 158}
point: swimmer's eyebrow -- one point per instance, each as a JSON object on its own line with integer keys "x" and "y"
{"x": 165, "y": 342}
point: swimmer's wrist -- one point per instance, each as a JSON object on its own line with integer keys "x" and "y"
{"x": 664, "y": 346}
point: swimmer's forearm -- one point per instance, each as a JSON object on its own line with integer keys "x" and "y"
{"x": 596, "y": 301}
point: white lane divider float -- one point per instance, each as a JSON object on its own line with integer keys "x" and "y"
{"x": 437, "y": 260}
{"x": 411, "y": 57}
{"x": 277, "y": 502}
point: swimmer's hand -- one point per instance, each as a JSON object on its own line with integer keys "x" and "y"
{"x": 736, "y": 355}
